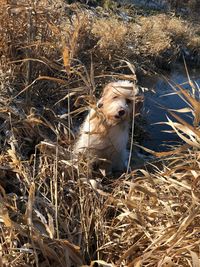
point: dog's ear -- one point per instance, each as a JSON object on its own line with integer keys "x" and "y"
{"x": 100, "y": 103}
{"x": 105, "y": 90}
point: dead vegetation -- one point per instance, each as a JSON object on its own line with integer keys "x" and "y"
{"x": 53, "y": 56}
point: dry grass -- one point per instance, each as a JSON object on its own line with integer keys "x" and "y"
{"x": 151, "y": 38}
{"x": 104, "y": 28}
{"x": 50, "y": 214}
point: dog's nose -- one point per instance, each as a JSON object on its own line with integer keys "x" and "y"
{"x": 121, "y": 112}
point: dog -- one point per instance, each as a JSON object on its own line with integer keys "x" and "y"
{"x": 104, "y": 134}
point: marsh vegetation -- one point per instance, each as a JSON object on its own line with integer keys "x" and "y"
{"x": 56, "y": 57}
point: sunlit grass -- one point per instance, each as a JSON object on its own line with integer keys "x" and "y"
{"x": 50, "y": 213}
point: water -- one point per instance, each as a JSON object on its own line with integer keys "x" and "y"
{"x": 155, "y": 104}
{"x": 153, "y": 4}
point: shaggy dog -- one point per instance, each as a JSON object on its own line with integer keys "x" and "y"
{"x": 104, "y": 134}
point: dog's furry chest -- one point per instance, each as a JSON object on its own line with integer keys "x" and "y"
{"x": 118, "y": 137}
{"x": 115, "y": 140}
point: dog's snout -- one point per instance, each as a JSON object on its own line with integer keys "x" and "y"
{"x": 121, "y": 112}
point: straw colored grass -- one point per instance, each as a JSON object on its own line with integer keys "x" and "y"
{"x": 55, "y": 59}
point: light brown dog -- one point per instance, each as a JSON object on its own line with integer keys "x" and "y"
{"x": 104, "y": 134}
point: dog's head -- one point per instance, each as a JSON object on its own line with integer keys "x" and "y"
{"x": 117, "y": 101}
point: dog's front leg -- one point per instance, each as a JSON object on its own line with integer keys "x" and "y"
{"x": 119, "y": 162}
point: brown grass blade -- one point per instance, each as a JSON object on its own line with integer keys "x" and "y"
{"x": 66, "y": 59}
{"x": 195, "y": 259}
{"x": 195, "y": 104}
{"x": 29, "y": 208}
{"x": 193, "y": 129}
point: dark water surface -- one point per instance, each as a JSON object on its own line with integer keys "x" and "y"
{"x": 155, "y": 104}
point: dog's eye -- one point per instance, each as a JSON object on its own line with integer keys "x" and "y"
{"x": 114, "y": 97}
{"x": 100, "y": 105}
{"x": 128, "y": 101}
